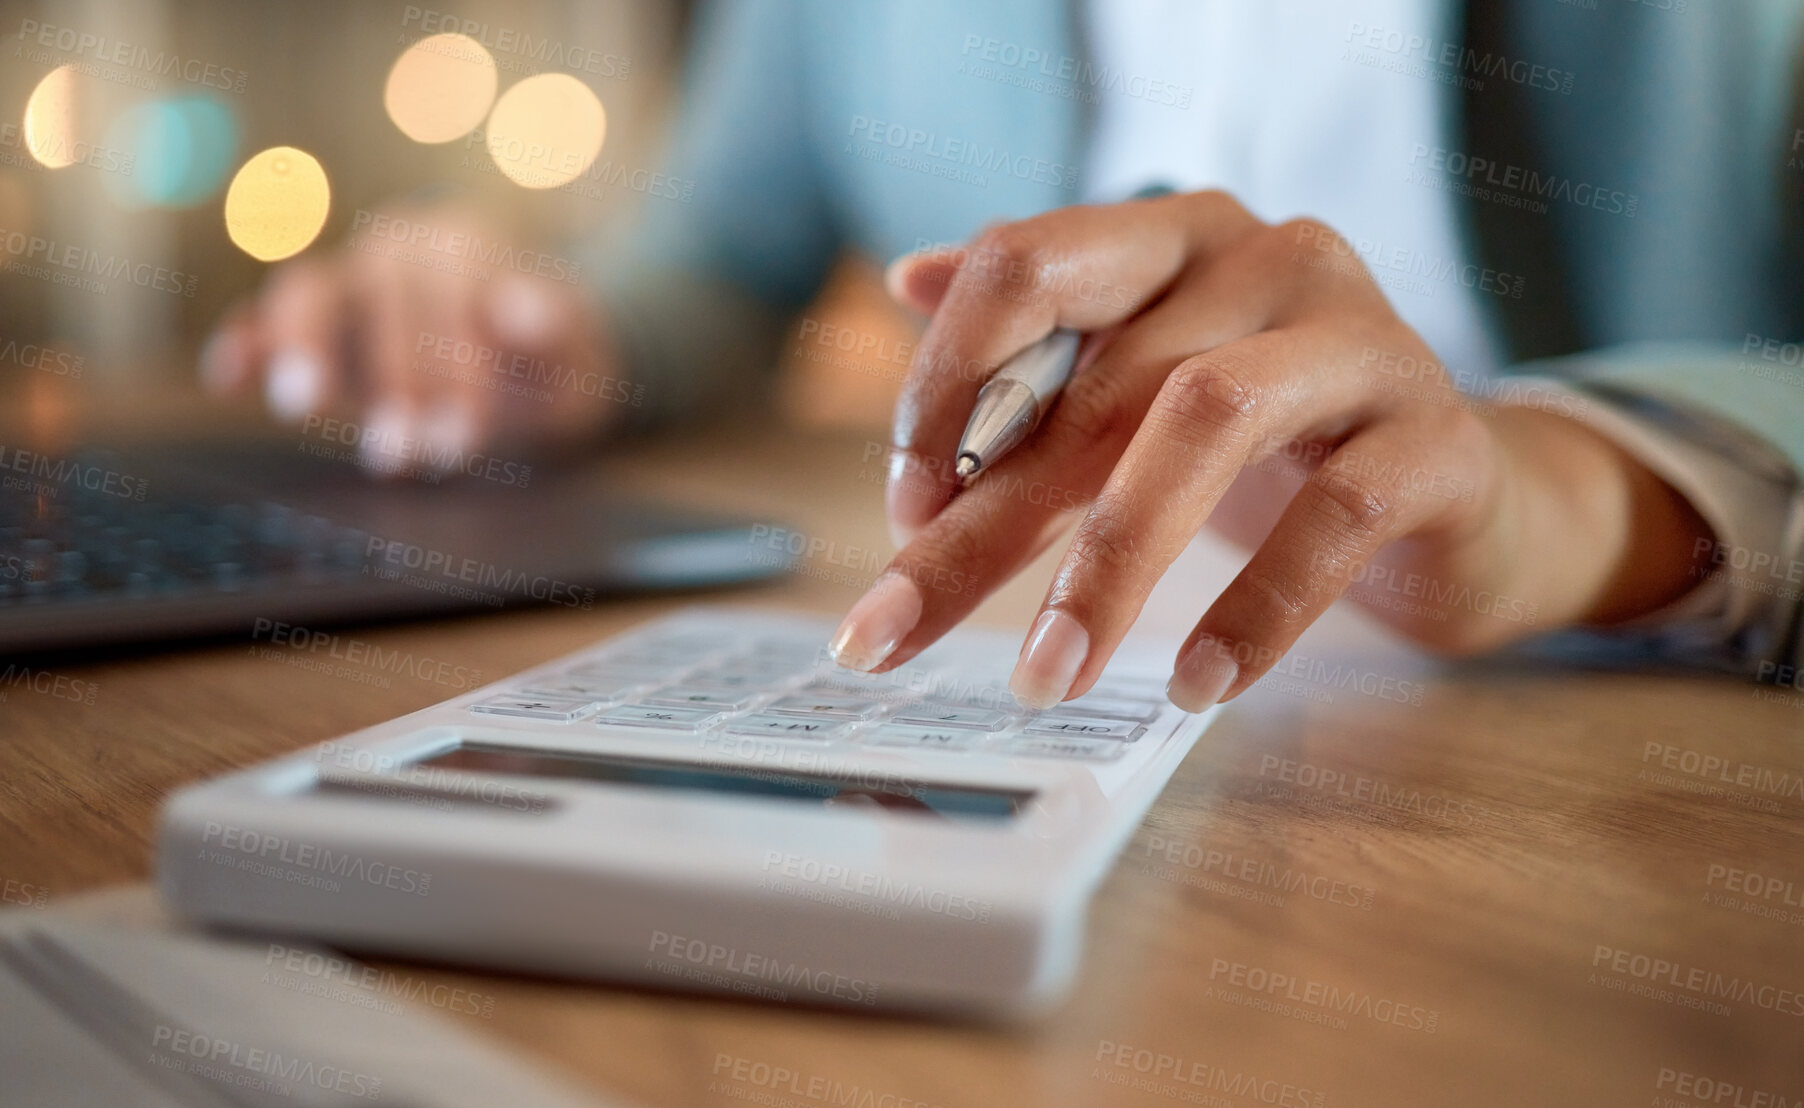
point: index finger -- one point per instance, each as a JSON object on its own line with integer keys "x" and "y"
{"x": 1084, "y": 267}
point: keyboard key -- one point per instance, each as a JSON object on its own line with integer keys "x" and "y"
{"x": 771, "y": 726}
{"x": 701, "y": 696}
{"x": 826, "y": 707}
{"x": 1045, "y": 746}
{"x": 663, "y": 719}
{"x": 1085, "y": 727}
{"x": 1118, "y": 707}
{"x": 924, "y": 738}
{"x": 953, "y": 715}
{"x": 532, "y": 707}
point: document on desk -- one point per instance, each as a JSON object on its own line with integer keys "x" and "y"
{"x": 102, "y": 1012}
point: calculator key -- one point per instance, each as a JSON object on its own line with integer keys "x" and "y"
{"x": 1132, "y": 688}
{"x": 660, "y": 659}
{"x": 532, "y": 707}
{"x": 621, "y": 671}
{"x": 768, "y": 668}
{"x": 803, "y": 648}
{"x": 772, "y": 726}
{"x": 1046, "y": 746}
{"x": 721, "y": 677}
{"x": 924, "y": 738}
{"x": 826, "y": 707}
{"x": 663, "y": 719}
{"x": 970, "y": 695}
{"x": 953, "y": 715}
{"x": 1118, "y": 707}
{"x": 1085, "y": 727}
{"x": 882, "y": 689}
{"x": 701, "y": 696}
{"x": 589, "y": 691}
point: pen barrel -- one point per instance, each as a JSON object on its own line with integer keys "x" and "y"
{"x": 1005, "y": 413}
{"x": 1043, "y": 367}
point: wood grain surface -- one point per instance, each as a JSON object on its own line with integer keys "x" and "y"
{"x": 1510, "y": 886}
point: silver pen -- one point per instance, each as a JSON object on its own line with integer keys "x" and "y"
{"x": 1011, "y": 403}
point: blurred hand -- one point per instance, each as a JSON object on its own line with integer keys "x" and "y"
{"x": 1231, "y": 379}
{"x": 414, "y": 339}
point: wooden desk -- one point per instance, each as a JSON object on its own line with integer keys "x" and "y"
{"x": 1456, "y": 875}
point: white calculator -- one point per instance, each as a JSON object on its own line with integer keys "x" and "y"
{"x": 707, "y": 803}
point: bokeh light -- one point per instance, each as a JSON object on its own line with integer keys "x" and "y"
{"x": 277, "y": 203}
{"x": 546, "y": 130}
{"x": 50, "y": 118}
{"x": 440, "y": 88}
{"x": 181, "y": 148}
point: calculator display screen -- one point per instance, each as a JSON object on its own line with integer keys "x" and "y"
{"x": 851, "y": 788}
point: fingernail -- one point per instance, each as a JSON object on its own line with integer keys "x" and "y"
{"x": 1200, "y": 679}
{"x": 292, "y": 388}
{"x": 386, "y": 433}
{"x": 448, "y": 428}
{"x": 1055, "y": 651}
{"x": 877, "y": 624}
{"x": 522, "y": 313}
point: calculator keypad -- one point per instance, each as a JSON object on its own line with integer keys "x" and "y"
{"x": 690, "y": 684}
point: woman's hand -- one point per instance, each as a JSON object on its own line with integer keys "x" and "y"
{"x": 430, "y": 334}
{"x": 1245, "y": 375}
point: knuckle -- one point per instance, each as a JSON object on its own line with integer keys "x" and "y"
{"x": 1211, "y": 392}
{"x": 1220, "y": 204}
{"x": 1279, "y": 601}
{"x": 1105, "y": 545}
{"x": 1091, "y": 411}
{"x": 1305, "y": 230}
{"x": 1367, "y": 506}
{"x": 1011, "y": 244}
{"x": 952, "y": 541}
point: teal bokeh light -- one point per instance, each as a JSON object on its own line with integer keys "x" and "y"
{"x": 181, "y": 147}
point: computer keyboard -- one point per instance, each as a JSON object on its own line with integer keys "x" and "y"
{"x": 170, "y": 540}
{"x": 785, "y": 688}
{"x": 82, "y": 543}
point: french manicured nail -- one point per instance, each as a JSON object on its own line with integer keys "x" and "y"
{"x": 386, "y": 437}
{"x": 1055, "y": 651}
{"x": 449, "y": 430}
{"x": 1200, "y": 679}
{"x": 522, "y": 312}
{"x": 293, "y": 386}
{"x": 877, "y": 624}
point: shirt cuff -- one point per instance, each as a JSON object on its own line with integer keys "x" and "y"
{"x": 1745, "y": 612}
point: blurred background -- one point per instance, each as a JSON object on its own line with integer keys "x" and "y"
{"x": 157, "y": 157}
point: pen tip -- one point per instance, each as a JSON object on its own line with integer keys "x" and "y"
{"x": 966, "y": 465}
